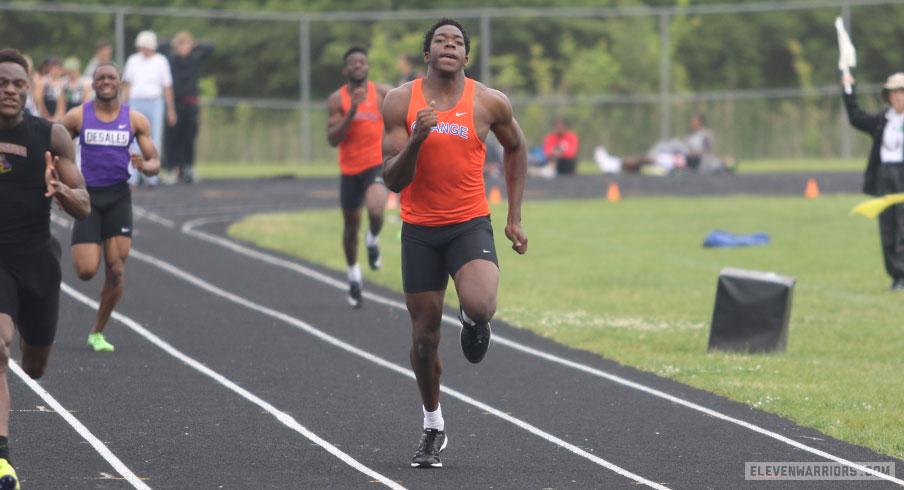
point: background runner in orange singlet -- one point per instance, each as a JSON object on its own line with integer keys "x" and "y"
{"x": 433, "y": 153}
{"x": 356, "y": 126}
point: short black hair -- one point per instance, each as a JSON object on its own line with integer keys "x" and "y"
{"x": 352, "y": 50}
{"x": 10, "y": 55}
{"x": 108, "y": 63}
{"x": 445, "y": 21}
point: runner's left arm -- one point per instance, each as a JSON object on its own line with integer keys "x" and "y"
{"x": 65, "y": 182}
{"x": 148, "y": 161}
{"x": 514, "y": 159}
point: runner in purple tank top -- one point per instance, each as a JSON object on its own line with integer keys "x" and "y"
{"x": 105, "y": 129}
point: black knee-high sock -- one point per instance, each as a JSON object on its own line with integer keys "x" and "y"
{"x": 4, "y": 447}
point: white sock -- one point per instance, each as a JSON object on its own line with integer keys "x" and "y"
{"x": 464, "y": 316}
{"x": 354, "y": 273}
{"x": 434, "y": 420}
{"x": 370, "y": 239}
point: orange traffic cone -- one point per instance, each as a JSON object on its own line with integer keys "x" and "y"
{"x": 392, "y": 201}
{"x": 613, "y": 194}
{"x": 812, "y": 190}
{"x": 495, "y": 196}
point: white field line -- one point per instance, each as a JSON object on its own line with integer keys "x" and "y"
{"x": 83, "y": 431}
{"x": 301, "y": 325}
{"x": 284, "y": 418}
{"x": 156, "y": 218}
{"x": 189, "y": 229}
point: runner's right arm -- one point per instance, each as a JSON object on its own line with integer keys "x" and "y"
{"x": 338, "y": 123}
{"x": 72, "y": 121}
{"x": 399, "y": 150}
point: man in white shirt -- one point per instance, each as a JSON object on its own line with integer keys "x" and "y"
{"x": 148, "y": 89}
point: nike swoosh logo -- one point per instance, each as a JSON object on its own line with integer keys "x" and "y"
{"x": 122, "y": 126}
{"x": 125, "y": 229}
{"x": 486, "y": 251}
{"x": 460, "y": 113}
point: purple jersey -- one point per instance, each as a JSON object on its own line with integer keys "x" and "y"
{"x": 105, "y": 147}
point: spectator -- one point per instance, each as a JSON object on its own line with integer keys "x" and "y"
{"x": 49, "y": 89}
{"x": 560, "y": 149}
{"x": 149, "y": 90}
{"x": 30, "y": 106}
{"x": 103, "y": 53}
{"x": 695, "y": 152}
{"x": 185, "y": 57}
{"x": 885, "y": 168}
{"x": 404, "y": 64}
{"x": 76, "y": 90}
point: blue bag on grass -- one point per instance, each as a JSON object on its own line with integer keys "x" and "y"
{"x": 719, "y": 238}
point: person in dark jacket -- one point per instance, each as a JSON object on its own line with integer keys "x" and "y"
{"x": 885, "y": 170}
{"x": 185, "y": 57}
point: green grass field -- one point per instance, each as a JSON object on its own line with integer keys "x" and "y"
{"x": 238, "y": 170}
{"x": 631, "y": 281}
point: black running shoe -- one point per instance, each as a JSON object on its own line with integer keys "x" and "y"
{"x": 374, "y": 257}
{"x": 354, "y": 294}
{"x": 432, "y": 443}
{"x": 475, "y": 340}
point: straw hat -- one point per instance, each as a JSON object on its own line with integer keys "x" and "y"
{"x": 894, "y": 82}
{"x": 147, "y": 40}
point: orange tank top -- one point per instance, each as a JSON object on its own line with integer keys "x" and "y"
{"x": 362, "y": 146}
{"x": 448, "y": 184}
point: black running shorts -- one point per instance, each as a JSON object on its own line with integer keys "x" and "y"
{"x": 353, "y": 188}
{"x": 30, "y": 290}
{"x": 430, "y": 254}
{"x": 111, "y": 215}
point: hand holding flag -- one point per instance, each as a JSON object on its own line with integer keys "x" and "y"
{"x": 847, "y": 55}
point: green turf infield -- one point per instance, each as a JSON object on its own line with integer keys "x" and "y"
{"x": 631, "y": 281}
{"x": 240, "y": 170}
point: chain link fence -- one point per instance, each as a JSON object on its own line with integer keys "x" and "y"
{"x": 258, "y": 108}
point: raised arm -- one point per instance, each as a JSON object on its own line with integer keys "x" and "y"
{"x": 514, "y": 159}
{"x": 202, "y": 49}
{"x": 64, "y": 180}
{"x": 399, "y": 150}
{"x": 858, "y": 118}
{"x": 148, "y": 162}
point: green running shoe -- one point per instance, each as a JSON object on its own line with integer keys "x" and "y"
{"x": 98, "y": 343}
{"x": 8, "y": 478}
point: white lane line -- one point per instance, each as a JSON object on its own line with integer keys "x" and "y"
{"x": 284, "y": 418}
{"x": 83, "y": 431}
{"x": 201, "y": 283}
{"x": 189, "y": 229}
{"x": 153, "y": 217}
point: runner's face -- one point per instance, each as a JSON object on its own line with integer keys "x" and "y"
{"x": 447, "y": 49}
{"x": 106, "y": 83}
{"x": 356, "y": 67}
{"x": 13, "y": 89}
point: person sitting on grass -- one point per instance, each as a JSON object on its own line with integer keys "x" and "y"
{"x": 695, "y": 152}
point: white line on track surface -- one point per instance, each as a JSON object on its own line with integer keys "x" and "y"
{"x": 83, "y": 431}
{"x": 202, "y": 284}
{"x": 284, "y": 418}
{"x": 189, "y": 229}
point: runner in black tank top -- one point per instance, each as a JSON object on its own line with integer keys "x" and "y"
{"x": 36, "y": 166}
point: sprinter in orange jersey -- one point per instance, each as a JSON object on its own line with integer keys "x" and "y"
{"x": 356, "y": 126}
{"x": 433, "y": 154}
